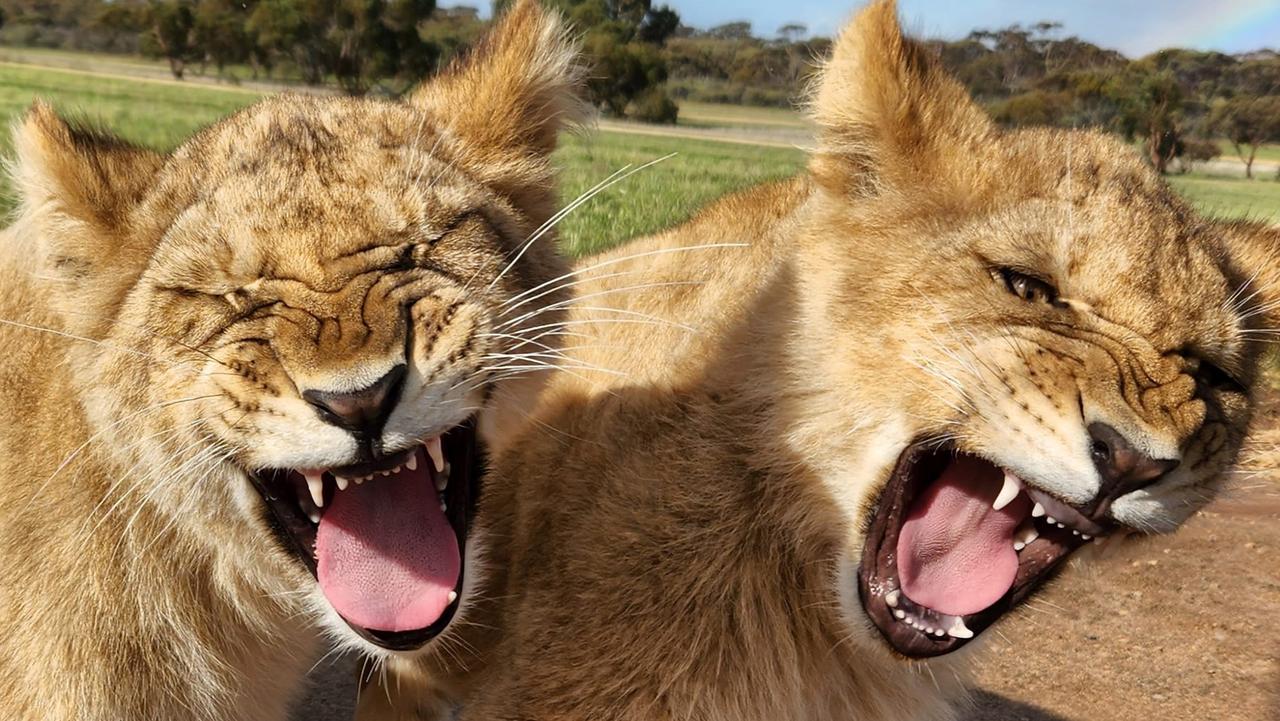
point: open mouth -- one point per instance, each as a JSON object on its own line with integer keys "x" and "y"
{"x": 385, "y": 539}
{"x": 956, "y": 541}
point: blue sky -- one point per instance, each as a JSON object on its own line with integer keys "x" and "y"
{"x": 1134, "y": 27}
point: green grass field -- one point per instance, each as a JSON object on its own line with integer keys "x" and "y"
{"x": 161, "y": 113}
{"x": 1265, "y": 152}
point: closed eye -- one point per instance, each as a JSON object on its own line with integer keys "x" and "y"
{"x": 1213, "y": 376}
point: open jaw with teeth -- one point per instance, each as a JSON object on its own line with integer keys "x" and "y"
{"x": 386, "y": 539}
{"x": 955, "y": 542}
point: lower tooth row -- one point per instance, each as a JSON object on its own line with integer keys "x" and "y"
{"x": 945, "y": 625}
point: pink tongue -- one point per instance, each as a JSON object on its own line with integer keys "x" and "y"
{"x": 386, "y": 555}
{"x": 955, "y": 554}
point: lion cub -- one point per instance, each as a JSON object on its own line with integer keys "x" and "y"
{"x": 244, "y": 382}
{"x": 946, "y": 360}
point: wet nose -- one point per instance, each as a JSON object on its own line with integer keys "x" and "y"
{"x": 363, "y": 412}
{"x": 1123, "y": 468}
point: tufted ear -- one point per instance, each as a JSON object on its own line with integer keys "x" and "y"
{"x": 889, "y": 116}
{"x": 508, "y": 100}
{"x": 78, "y": 189}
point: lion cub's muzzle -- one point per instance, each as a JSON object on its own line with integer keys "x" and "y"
{"x": 956, "y": 540}
{"x": 1124, "y": 469}
{"x": 363, "y": 412}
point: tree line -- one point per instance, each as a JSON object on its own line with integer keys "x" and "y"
{"x": 1176, "y": 101}
{"x": 358, "y": 45}
{"x": 643, "y": 60}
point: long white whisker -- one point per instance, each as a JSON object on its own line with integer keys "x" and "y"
{"x": 569, "y": 209}
{"x": 610, "y": 291}
{"x": 625, "y": 258}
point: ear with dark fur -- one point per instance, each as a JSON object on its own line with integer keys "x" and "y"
{"x": 509, "y": 99}
{"x": 78, "y": 189}
{"x": 889, "y": 116}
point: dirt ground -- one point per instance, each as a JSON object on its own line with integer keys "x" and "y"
{"x": 1179, "y": 628}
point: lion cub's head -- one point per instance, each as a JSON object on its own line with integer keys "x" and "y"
{"x": 296, "y": 317}
{"x": 1025, "y": 342}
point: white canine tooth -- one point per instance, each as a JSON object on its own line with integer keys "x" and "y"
{"x": 453, "y": 596}
{"x": 412, "y": 463}
{"x": 342, "y": 482}
{"x": 1009, "y": 491}
{"x": 959, "y": 630}
{"x": 1050, "y": 520}
{"x": 315, "y": 484}
{"x": 314, "y": 516}
{"x": 891, "y": 598}
{"x": 436, "y": 452}
{"x": 1037, "y": 510}
{"x": 899, "y": 614}
{"x": 1019, "y": 545}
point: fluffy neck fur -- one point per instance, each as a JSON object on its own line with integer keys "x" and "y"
{"x": 661, "y": 546}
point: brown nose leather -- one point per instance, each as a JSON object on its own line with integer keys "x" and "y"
{"x": 362, "y": 412}
{"x": 1123, "y": 468}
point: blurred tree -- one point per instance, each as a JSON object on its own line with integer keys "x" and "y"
{"x": 731, "y": 31}
{"x": 451, "y": 31}
{"x": 1247, "y": 122}
{"x": 1150, "y": 105}
{"x": 793, "y": 32}
{"x": 295, "y": 29}
{"x": 1198, "y": 150}
{"x": 220, "y": 32}
{"x": 659, "y": 25}
{"x": 375, "y": 39}
{"x": 169, "y": 34}
{"x": 118, "y": 20}
{"x": 622, "y": 41}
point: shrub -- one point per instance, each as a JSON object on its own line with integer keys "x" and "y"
{"x": 655, "y": 106}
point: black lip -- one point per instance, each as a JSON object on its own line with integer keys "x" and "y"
{"x": 919, "y": 465}
{"x": 296, "y": 534}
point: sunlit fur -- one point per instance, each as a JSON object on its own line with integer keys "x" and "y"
{"x": 677, "y": 538}
{"x": 160, "y": 315}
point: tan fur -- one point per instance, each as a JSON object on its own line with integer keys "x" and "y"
{"x": 679, "y": 542}
{"x": 160, "y": 316}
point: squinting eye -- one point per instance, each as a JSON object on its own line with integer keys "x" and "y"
{"x": 1032, "y": 290}
{"x": 1214, "y": 377}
